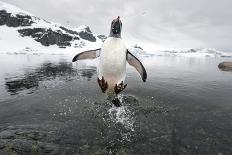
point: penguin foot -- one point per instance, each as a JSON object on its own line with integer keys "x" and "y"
{"x": 116, "y": 102}
{"x": 120, "y": 87}
{"x": 103, "y": 84}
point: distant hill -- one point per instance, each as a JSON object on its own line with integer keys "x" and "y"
{"x": 20, "y": 27}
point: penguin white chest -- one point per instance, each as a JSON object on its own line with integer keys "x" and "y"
{"x": 112, "y": 64}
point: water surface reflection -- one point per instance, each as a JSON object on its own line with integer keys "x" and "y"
{"x": 48, "y": 71}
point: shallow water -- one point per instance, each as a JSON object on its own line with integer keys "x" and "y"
{"x": 50, "y": 105}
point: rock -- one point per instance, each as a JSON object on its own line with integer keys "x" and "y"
{"x": 85, "y": 147}
{"x": 60, "y": 36}
{"x": 29, "y": 140}
{"x": 3, "y": 143}
{"x": 225, "y": 66}
{"x": 84, "y": 34}
{"x": 14, "y": 20}
{"x": 99, "y": 152}
{"x": 122, "y": 151}
{"x": 48, "y": 148}
{"x": 7, "y": 135}
{"x": 48, "y": 37}
{"x": 87, "y": 29}
{"x": 87, "y": 36}
{"x": 68, "y": 30}
{"x": 102, "y": 37}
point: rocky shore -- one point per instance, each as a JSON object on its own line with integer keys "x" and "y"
{"x": 30, "y": 139}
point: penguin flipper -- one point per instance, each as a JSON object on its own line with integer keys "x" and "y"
{"x": 133, "y": 61}
{"x": 91, "y": 54}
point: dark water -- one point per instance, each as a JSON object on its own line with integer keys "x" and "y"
{"x": 50, "y": 106}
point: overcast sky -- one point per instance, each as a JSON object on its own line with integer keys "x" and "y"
{"x": 158, "y": 23}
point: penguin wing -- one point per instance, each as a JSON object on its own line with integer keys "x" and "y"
{"x": 133, "y": 61}
{"x": 91, "y": 54}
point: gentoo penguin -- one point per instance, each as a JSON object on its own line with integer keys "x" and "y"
{"x": 113, "y": 56}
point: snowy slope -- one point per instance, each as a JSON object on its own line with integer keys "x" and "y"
{"x": 22, "y": 32}
{"x": 198, "y": 52}
{"x": 12, "y": 42}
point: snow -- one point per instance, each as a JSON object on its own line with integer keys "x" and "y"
{"x": 81, "y": 28}
{"x": 12, "y": 42}
{"x": 190, "y": 52}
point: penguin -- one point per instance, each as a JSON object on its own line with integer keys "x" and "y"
{"x": 113, "y": 57}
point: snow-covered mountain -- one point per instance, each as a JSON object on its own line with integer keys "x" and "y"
{"x": 22, "y": 31}
{"x": 190, "y": 52}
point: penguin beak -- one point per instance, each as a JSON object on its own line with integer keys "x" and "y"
{"x": 118, "y": 19}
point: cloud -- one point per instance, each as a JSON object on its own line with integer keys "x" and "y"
{"x": 160, "y": 23}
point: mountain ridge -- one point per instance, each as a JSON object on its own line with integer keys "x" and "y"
{"x": 24, "y": 31}
{"x": 42, "y": 31}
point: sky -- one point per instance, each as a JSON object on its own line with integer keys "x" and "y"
{"x": 155, "y": 24}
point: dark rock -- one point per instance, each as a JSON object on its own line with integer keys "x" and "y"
{"x": 48, "y": 37}
{"x": 48, "y": 148}
{"x": 68, "y": 30}
{"x": 87, "y": 36}
{"x": 14, "y": 20}
{"x": 102, "y": 37}
{"x": 30, "y": 139}
{"x": 225, "y": 66}
{"x": 3, "y": 143}
{"x": 7, "y": 135}
{"x": 87, "y": 29}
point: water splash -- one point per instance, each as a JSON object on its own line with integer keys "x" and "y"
{"x": 122, "y": 115}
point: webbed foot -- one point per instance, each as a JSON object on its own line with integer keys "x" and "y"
{"x": 103, "y": 84}
{"x": 120, "y": 87}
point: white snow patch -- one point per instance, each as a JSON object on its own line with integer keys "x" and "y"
{"x": 12, "y": 42}
{"x": 81, "y": 28}
{"x": 190, "y": 52}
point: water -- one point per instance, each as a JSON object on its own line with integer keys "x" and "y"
{"x": 50, "y": 105}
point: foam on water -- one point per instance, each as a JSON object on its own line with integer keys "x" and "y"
{"x": 122, "y": 115}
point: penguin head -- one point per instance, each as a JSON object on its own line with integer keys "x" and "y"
{"x": 116, "y": 27}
